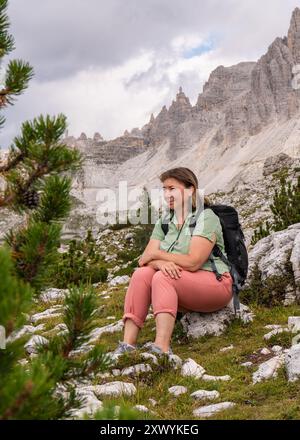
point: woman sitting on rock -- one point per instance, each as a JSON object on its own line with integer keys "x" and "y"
{"x": 174, "y": 273}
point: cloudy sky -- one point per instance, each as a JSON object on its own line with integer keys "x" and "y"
{"x": 109, "y": 64}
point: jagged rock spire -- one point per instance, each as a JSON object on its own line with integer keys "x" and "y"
{"x": 293, "y": 38}
{"x": 82, "y": 137}
{"x": 97, "y": 137}
{"x": 180, "y": 108}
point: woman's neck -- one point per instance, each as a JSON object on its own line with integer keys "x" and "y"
{"x": 181, "y": 214}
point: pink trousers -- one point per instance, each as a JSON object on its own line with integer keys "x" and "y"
{"x": 194, "y": 291}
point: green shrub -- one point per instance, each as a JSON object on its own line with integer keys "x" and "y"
{"x": 285, "y": 209}
{"x": 270, "y": 291}
{"x": 81, "y": 263}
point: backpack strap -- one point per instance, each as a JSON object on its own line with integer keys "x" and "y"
{"x": 165, "y": 223}
{"x": 236, "y": 285}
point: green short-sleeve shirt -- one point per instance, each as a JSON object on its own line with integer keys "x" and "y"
{"x": 178, "y": 242}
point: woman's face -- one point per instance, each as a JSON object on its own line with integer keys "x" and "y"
{"x": 175, "y": 193}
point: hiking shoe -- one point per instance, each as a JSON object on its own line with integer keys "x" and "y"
{"x": 123, "y": 347}
{"x": 153, "y": 348}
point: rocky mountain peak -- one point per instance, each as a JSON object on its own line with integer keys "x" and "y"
{"x": 181, "y": 108}
{"x": 97, "y": 137}
{"x": 293, "y": 39}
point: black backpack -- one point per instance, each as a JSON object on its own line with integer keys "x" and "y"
{"x": 234, "y": 242}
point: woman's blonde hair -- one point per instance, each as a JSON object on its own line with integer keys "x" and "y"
{"x": 188, "y": 178}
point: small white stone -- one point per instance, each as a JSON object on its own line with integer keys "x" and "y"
{"x": 267, "y": 369}
{"x": 26, "y": 329}
{"x": 273, "y": 326}
{"x": 90, "y": 405}
{"x": 191, "y": 368}
{"x": 103, "y": 375}
{"x": 142, "y": 408}
{"x": 53, "y": 312}
{"x": 204, "y": 394}
{"x": 275, "y": 332}
{"x": 247, "y": 364}
{"x": 116, "y": 388}
{"x": 265, "y": 351}
{"x": 292, "y": 363}
{"x": 136, "y": 369}
{"x": 294, "y": 324}
{"x": 230, "y": 347}
{"x": 31, "y": 346}
{"x": 208, "y": 377}
{"x": 175, "y": 361}
{"x": 152, "y": 401}
{"x": 119, "y": 280}
{"x": 110, "y": 328}
{"x": 150, "y": 356}
{"x": 277, "y": 349}
{"x": 176, "y": 390}
{"x": 53, "y": 295}
{"x": 210, "y": 410}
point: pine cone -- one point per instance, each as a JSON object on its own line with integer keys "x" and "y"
{"x": 30, "y": 198}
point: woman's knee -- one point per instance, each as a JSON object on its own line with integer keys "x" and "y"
{"x": 159, "y": 276}
{"x": 143, "y": 272}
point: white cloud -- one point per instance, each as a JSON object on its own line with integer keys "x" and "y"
{"x": 108, "y": 68}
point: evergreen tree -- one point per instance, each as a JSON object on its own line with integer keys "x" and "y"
{"x": 36, "y": 187}
{"x": 285, "y": 209}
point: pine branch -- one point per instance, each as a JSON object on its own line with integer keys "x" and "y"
{"x": 18, "y": 75}
{"x": 6, "y": 40}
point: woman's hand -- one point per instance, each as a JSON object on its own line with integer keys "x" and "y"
{"x": 169, "y": 268}
{"x": 145, "y": 258}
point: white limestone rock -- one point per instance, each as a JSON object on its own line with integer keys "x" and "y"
{"x": 270, "y": 252}
{"x": 52, "y": 312}
{"x": 121, "y": 279}
{"x": 230, "y": 347}
{"x": 83, "y": 349}
{"x": 150, "y": 356}
{"x": 90, "y": 405}
{"x": 116, "y": 388}
{"x": 268, "y": 369}
{"x": 197, "y": 324}
{"x": 109, "y": 328}
{"x": 265, "y": 351}
{"x": 273, "y": 326}
{"x": 191, "y": 368}
{"x": 210, "y": 410}
{"x": 247, "y": 364}
{"x": 175, "y": 361}
{"x": 208, "y": 377}
{"x": 275, "y": 332}
{"x": 34, "y": 342}
{"x": 25, "y": 330}
{"x": 277, "y": 349}
{"x": 152, "y": 401}
{"x": 105, "y": 375}
{"x": 204, "y": 394}
{"x": 294, "y": 324}
{"x": 53, "y": 295}
{"x": 176, "y": 390}
{"x": 292, "y": 363}
{"x": 141, "y": 408}
{"x": 134, "y": 370}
